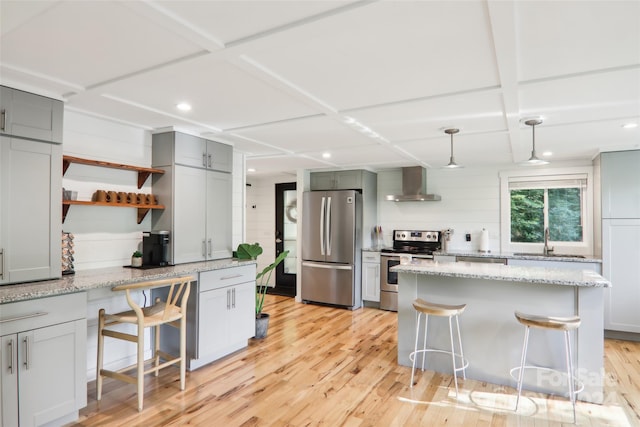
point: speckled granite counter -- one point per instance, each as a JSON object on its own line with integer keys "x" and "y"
{"x": 511, "y": 255}
{"x": 554, "y": 276}
{"x": 107, "y": 277}
{"x": 491, "y": 335}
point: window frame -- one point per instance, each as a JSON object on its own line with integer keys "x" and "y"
{"x": 585, "y": 247}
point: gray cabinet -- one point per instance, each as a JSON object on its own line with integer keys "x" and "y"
{"x": 30, "y": 212}
{"x": 43, "y": 361}
{"x": 371, "y": 276}
{"x": 220, "y": 315}
{"x": 197, "y": 199}
{"x": 338, "y": 180}
{"x": 31, "y": 116}
{"x": 190, "y": 150}
{"x": 620, "y": 184}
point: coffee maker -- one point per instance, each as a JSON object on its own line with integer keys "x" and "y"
{"x": 155, "y": 248}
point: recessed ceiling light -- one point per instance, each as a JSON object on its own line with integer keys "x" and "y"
{"x": 326, "y": 155}
{"x": 630, "y": 125}
{"x": 183, "y": 106}
{"x": 547, "y": 153}
{"x": 251, "y": 170}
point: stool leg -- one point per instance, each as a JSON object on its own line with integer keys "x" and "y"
{"x": 522, "y": 362}
{"x": 572, "y": 395}
{"x": 453, "y": 356}
{"x": 424, "y": 343}
{"x": 415, "y": 349}
{"x": 100, "y": 354}
{"x": 464, "y": 370}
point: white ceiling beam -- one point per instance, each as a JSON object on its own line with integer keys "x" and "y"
{"x": 503, "y": 29}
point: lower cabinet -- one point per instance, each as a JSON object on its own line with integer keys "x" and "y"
{"x": 371, "y": 276}
{"x": 220, "y": 315}
{"x": 43, "y": 361}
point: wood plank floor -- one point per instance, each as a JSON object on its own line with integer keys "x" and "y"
{"x": 322, "y": 366}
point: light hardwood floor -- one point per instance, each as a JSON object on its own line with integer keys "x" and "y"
{"x": 334, "y": 367}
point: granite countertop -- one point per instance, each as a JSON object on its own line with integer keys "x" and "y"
{"x": 511, "y": 255}
{"x": 107, "y": 277}
{"x": 472, "y": 270}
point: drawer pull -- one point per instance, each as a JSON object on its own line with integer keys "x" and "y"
{"x": 26, "y": 316}
{"x": 11, "y": 356}
{"x": 26, "y": 352}
{"x": 235, "y": 276}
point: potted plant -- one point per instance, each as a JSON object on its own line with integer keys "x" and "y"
{"x": 251, "y": 251}
{"x": 136, "y": 259}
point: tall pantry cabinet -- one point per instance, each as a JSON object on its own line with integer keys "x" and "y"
{"x": 196, "y": 190}
{"x": 30, "y": 186}
{"x": 620, "y": 199}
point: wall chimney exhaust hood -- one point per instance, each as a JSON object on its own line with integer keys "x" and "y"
{"x": 414, "y": 187}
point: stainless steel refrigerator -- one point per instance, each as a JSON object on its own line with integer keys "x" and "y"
{"x": 331, "y": 253}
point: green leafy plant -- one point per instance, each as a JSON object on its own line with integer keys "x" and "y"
{"x": 248, "y": 251}
{"x": 137, "y": 254}
{"x": 262, "y": 281}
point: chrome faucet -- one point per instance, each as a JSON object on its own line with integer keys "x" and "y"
{"x": 546, "y": 248}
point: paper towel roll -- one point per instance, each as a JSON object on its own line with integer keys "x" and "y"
{"x": 484, "y": 241}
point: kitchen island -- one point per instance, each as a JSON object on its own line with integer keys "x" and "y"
{"x": 491, "y": 336}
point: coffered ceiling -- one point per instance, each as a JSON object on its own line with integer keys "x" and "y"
{"x": 372, "y": 83}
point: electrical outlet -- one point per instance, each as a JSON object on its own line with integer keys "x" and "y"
{"x": 468, "y": 237}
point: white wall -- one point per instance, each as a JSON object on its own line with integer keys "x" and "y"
{"x": 470, "y": 202}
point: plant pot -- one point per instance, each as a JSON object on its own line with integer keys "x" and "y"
{"x": 262, "y": 323}
{"x": 136, "y": 261}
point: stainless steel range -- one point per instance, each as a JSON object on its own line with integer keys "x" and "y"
{"x": 418, "y": 244}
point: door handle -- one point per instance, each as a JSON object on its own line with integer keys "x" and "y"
{"x": 204, "y": 248}
{"x": 11, "y": 356}
{"x": 27, "y": 356}
{"x": 228, "y": 299}
{"x": 209, "y": 157}
{"x": 3, "y": 119}
{"x": 210, "y": 247}
{"x": 328, "y": 227}
{"x": 233, "y": 304}
{"x": 322, "y": 224}
{"x": 204, "y": 159}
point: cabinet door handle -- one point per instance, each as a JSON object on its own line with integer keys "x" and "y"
{"x": 1, "y": 263}
{"x": 210, "y": 247}
{"x": 204, "y": 159}
{"x": 26, "y": 352}
{"x": 204, "y": 249}
{"x": 11, "y": 356}
{"x": 209, "y": 157}
{"x": 3, "y": 119}
{"x": 25, "y": 316}
{"x": 228, "y": 299}
{"x": 233, "y": 304}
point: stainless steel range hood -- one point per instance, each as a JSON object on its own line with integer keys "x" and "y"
{"x": 414, "y": 187}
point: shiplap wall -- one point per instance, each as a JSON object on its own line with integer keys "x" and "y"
{"x": 105, "y": 236}
{"x": 470, "y": 202}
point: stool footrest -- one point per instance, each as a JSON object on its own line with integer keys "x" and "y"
{"x": 578, "y": 385}
{"x": 465, "y": 362}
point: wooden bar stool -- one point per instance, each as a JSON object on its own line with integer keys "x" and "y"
{"x": 172, "y": 312}
{"x": 441, "y": 310}
{"x": 564, "y": 324}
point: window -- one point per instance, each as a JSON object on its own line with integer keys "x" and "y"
{"x": 531, "y": 204}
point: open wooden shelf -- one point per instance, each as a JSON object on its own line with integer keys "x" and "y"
{"x": 142, "y": 209}
{"x": 143, "y": 173}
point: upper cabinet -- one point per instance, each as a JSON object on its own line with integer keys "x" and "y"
{"x": 189, "y": 150}
{"x": 197, "y": 192}
{"x": 25, "y": 115}
{"x": 338, "y": 180}
{"x": 620, "y": 180}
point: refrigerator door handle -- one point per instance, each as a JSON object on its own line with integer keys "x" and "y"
{"x": 322, "y": 212}
{"x": 325, "y": 265}
{"x": 328, "y": 226}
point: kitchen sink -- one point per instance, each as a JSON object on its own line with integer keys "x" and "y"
{"x": 551, "y": 255}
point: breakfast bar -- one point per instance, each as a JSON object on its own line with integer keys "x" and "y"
{"x": 491, "y": 335}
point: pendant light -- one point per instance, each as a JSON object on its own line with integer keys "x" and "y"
{"x": 452, "y": 163}
{"x": 534, "y": 160}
